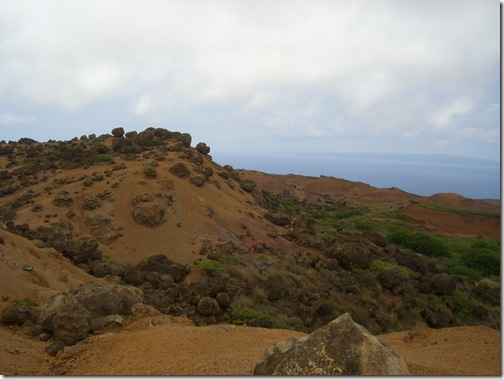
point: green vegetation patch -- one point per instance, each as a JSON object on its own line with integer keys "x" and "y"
{"x": 419, "y": 242}
{"x": 473, "y": 257}
{"x": 446, "y": 208}
{"x": 241, "y": 315}
{"x": 100, "y": 158}
{"x": 24, "y": 302}
{"x": 210, "y": 266}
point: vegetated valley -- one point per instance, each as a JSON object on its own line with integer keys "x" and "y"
{"x": 220, "y": 245}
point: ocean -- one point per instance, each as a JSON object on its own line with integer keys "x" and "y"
{"x": 414, "y": 173}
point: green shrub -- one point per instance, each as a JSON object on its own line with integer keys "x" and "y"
{"x": 482, "y": 260}
{"x": 210, "y": 266}
{"x": 100, "y": 158}
{"x": 24, "y": 302}
{"x": 241, "y": 315}
{"x": 420, "y": 242}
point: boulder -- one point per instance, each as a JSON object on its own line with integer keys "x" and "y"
{"x": 205, "y": 170}
{"x": 133, "y": 276}
{"x": 180, "y": 169}
{"x": 248, "y": 185}
{"x": 53, "y": 348}
{"x": 279, "y": 219}
{"x": 208, "y": 306}
{"x": 82, "y": 250}
{"x": 161, "y": 264}
{"x": 63, "y": 199}
{"x": 223, "y": 299}
{"x": 342, "y": 347}
{"x": 203, "y": 148}
{"x": 198, "y": 180}
{"x": 107, "y": 324}
{"x": 71, "y": 323}
{"x": 15, "y": 315}
{"x": 118, "y": 132}
{"x": 185, "y": 138}
{"x": 150, "y": 171}
{"x": 149, "y": 214}
{"x": 91, "y": 202}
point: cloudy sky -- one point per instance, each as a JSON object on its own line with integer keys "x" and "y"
{"x": 406, "y": 76}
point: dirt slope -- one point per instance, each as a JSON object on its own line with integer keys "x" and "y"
{"x": 172, "y": 347}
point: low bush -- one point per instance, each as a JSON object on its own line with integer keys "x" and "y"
{"x": 24, "y": 302}
{"x": 419, "y": 242}
{"x": 241, "y": 315}
{"x": 210, "y": 266}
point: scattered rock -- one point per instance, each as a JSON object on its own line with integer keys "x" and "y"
{"x": 118, "y": 132}
{"x": 15, "y": 315}
{"x": 71, "y": 323}
{"x": 248, "y": 185}
{"x": 150, "y": 171}
{"x": 208, "y": 306}
{"x": 53, "y": 348}
{"x": 340, "y": 348}
{"x": 198, "y": 180}
{"x": 91, "y": 202}
{"x": 279, "y": 219}
{"x": 63, "y": 199}
{"x": 107, "y": 324}
{"x": 82, "y": 250}
{"x": 180, "y": 169}
{"x": 203, "y": 148}
{"x": 149, "y": 214}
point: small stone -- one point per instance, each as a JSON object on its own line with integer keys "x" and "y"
{"x": 53, "y": 348}
{"x": 27, "y": 267}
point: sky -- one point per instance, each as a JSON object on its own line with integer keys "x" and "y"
{"x": 325, "y": 76}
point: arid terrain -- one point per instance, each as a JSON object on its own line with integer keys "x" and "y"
{"x": 278, "y": 255}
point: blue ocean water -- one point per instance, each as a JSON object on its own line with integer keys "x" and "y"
{"x": 415, "y": 173}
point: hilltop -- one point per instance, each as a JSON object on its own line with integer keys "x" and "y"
{"x": 211, "y": 244}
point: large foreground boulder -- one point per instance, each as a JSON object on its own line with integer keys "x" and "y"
{"x": 87, "y": 308}
{"x": 342, "y": 347}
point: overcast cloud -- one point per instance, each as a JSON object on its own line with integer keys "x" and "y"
{"x": 416, "y": 76}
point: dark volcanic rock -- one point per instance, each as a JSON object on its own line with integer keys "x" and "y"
{"x": 82, "y": 250}
{"x": 180, "y": 169}
{"x": 63, "y": 199}
{"x": 53, "y": 348}
{"x": 149, "y": 214}
{"x": 208, "y": 306}
{"x": 203, "y": 148}
{"x": 248, "y": 185}
{"x": 118, "y": 132}
{"x": 71, "y": 323}
{"x": 279, "y": 219}
{"x": 15, "y": 315}
{"x": 198, "y": 180}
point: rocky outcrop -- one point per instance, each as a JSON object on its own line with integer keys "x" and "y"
{"x": 340, "y": 348}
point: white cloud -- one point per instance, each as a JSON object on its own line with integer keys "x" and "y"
{"x": 300, "y": 68}
{"x": 10, "y": 119}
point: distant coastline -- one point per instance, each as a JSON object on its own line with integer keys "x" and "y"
{"x": 415, "y": 173}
